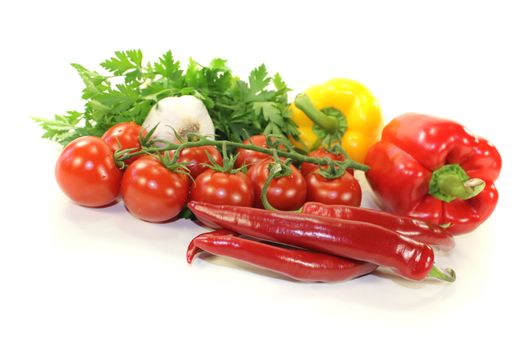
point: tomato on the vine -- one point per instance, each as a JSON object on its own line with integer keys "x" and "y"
{"x": 86, "y": 172}
{"x": 198, "y": 157}
{"x": 307, "y": 168}
{"x": 284, "y": 193}
{"x": 344, "y": 190}
{"x": 217, "y": 187}
{"x": 248, "y": 157}
{"x": 125, "y": 136}
{"x": 152, "y": 192}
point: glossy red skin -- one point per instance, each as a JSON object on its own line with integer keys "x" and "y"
{"x": 248, "y": 157}
{"x": 349, "y": 239}
{"x": 152, "y": 192}
{"x": 344, "y": 190}
{"x": 284, "y": 193}
{"x": 298, "y": 264}
{"x": 124, "y": 136}
{"x": 412, "y": 147}
{"x": 416, "y": 229}
{"x": 222, "y": 188}
{"x": 197, "y": 158}
{"x": 307, "y": 168}
{"x": 87, "y": 174}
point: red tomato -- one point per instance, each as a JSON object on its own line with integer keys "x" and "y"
{"x": 249, "y": 157}
{"x": 344, "y": 190}
{"x": 196, "y": 158}
{"x": 284, "y": 193}
{"x": 152, "y": 192}
{"x": 222, "y": 188}
{"x": 307, "y": 168}
{"x": 124, "y": 136}
{"x": 86, "y": 172}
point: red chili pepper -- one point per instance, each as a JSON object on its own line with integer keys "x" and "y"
{"x": 298, "y": 264}
{"x": 413, "y": 228}
{"x": 345, "y": 238}
{"x": 436, "y": 170}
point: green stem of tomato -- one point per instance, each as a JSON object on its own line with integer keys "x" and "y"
{"x": 290, "y": 154}
{"x": 264, "y": 193}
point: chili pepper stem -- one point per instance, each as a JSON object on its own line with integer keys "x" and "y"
{"x": 329, "y": 123}
{"x": 447, "y": 274}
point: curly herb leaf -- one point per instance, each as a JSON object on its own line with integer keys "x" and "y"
{"x": 237, "y": 108}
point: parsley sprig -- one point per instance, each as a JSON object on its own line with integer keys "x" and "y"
{"x": 130, "y": 88}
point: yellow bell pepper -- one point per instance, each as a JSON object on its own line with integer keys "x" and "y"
{"x": 340, "y": 111}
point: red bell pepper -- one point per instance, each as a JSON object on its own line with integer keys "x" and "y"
{"x": 436, "y": 170}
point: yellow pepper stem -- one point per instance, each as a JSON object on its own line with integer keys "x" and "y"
{"x": 327, "y": 122}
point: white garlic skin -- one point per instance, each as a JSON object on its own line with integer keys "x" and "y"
{"x": 185, "y": 114}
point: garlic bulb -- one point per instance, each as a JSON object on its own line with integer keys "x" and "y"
{"x": 184, "y": 114}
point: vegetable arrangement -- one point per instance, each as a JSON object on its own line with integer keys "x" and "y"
{"x": 275, "y": 180}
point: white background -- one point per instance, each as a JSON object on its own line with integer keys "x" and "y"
{"x": 77, "y": 278}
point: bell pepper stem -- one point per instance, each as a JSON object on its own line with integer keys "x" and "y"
{"x": 451, "y": 182}
{"x": 460, "y": 189}
{"x": 447, "y": 275}
{"x": 329, "y": 123}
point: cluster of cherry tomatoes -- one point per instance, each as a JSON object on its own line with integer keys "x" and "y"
{"x": 87, "y": 173}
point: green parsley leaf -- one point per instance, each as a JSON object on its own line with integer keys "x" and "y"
{"x": 238, "y": 108}
{"x": 123, "y": 61}
{"x": 94, "y": 82}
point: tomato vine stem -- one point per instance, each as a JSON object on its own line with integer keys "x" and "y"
{"x": 286, "y": 153}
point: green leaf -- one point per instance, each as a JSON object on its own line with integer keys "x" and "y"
{"x": 118, "y": 100}
{"x": 139, "y": 111}
{"x": 62, "y": 127}
{"x": 133, "y": 76}
{"x": 132, "y": 87}
{"x": 279, "y": 83}
{"x": 242, "y": 91}
{"x": 268, "y": 110}
{"x": 193, "y": 74}
{"x": 166, "y": 64}
{"x": 263, "y": 96}
{"x": 92, "y": 80}
{"x": 123, "y": 61}
{"x": 259, "y": 79}
{"x": 219, "y": 64}
{"x": 135, "y": 56}
{"x": 169, "y": 69}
